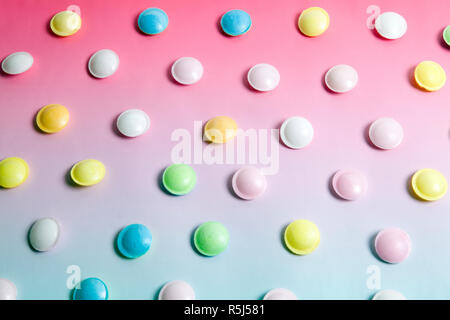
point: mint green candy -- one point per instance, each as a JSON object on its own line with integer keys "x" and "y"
{"x": 446, "y": 35}
{"x": 179, "y": 179}
{"x": 211, "y": 238}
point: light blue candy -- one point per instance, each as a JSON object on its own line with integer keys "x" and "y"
{"x": 91, "y": 289}
{"x": 236, "y": 22}
{"x": 134, "y": 241}
{"x": 153, "y": 21}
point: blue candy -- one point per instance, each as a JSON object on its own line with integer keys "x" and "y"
{"x": 236, "y": 22}
{"x": 91, "y": 289}
{"x": 134, "y": 241}
{"x": 153, "y": 21}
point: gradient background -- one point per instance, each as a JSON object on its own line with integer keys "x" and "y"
{"x": 256, "y": 259}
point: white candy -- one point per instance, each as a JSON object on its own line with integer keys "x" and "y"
{"x": 341, "y": 78}
{"x": 8, "y": 290}
{"x": 17, "y": 62}
{"x": 388, "y": 294}
{"x": 133, "y": 123}
{"x": 103, "y": 63}
{"x": 280, "y": 294}
{"x": 296, "y": 132}
{"x": 391, "y": 25}
{"x": 44, "y": 234}
{"x": 386, "y": 133}
{"x": 177, "y": 290}
{"x": 187, "y": 70}
{"x": 263, "y": 77}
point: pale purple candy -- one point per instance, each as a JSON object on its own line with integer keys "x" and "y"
{"x": 187, "y": 70}
{"x": 386, "y": 133}
{"x": 349, "y": 184}
{"x": 341, "y": 78}
{"x": 249, "y": 183}
{"x": 393, "y": 245}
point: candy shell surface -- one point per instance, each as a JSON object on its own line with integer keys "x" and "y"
{"x": 17, "y": 63}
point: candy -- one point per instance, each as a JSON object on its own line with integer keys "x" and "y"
{"x": 211, "y": 238}
{"x": 103, "y": 63}
{"x": 349, "y": 184}
{"x": 176, "y": 290}
{"x": 296, "y": 132}
{"x": 179, "y": 179}
{"x": 220, "y": 129}
{"x": 446, "y": 35}
{"x": 134, "y": 241}
{"x": 235, "y": 22}
{"x": 280, "y": 294}
{"x": 341, "y": 78}
{"x": 44, "y": 234}
{"x": 187, "y": 70}
{"x": 133, "y": 123}
{"x": 153, "y": 21}
{"x": 313, "y": 21}
{"x": 263, "y": 77}
{"x": 429, "y": 75}
{"x": 8, "y": 290}
{"x": 65, "y": 23}
{"x": 429, "y": 184}
{"x": 13, "y": 172}
{"x": 52, "y": 118}
{"x": 392, "y": 245}
{"x": 302, "y": 237}
{"x": 388, "y": 294}
{"x": 88, "y": 172}
{"x": 386, "y": 133}
{"x": 91, "y": 289}
{"x": 17, "y": 62}
{"x": 249, "y": 183}
{"x": 391, "y": 25}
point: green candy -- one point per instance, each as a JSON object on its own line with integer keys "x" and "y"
{"x": 179, "y": 179}
{"x": 211, "y": 238}
{"x": 446, "y": 35}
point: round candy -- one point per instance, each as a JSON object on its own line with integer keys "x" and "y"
{"x": 13, "y": 172}
{"x": 249, "y": 183}
{"x": 390, "y": 25}
{"x": 88, "y": 172}
{"x": 280, "y": 294}
{"x": 302, "y": 237}
{"x": 388, "y": 294}
{"x": 17, "y": 62}
{"x": 235, "y": 22}
{"x": 392, "y": 245}
{"x": 177, "y": 290}
{"x": 187, "y": 70}
{"x": 153, "y": 21}
{"x": 91, "y": 289}
{"x": 313, "y": 21}
{"x": 8, "y": 290}
{"x": 52, "y": 118}
{"x": 341, "y": 78}
{"x": 386, "y": 133}
{"x": 220, "y": 129}
{"x": 44, "y": 234}
{"x": 429, "y": 75}
{"x": 429, "y": 184}
{"x": 349, "y": 184}
{"x": 65, "y": 23}
{"x": 211, "y": 238}
{"x": 296, "y": 132}
{"x": 263, "y": 77}
{"x": 103, "y": 63}
{"x": 446, "y": 35}
{"x": 133, "y": 123}
{"x": 134, "y": 241}
{"x": 179, "y": 179}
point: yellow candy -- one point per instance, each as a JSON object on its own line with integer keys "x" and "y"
{"x": 429, "y": 184}
{"x": 429, "y": 75}
{"x": 52, "y": 118}
{"x": 313, "y": 21}
{"x": 13, "y": 172}
{"x": 302, "y": 237}
{"x": 220, "y": 129}
{"x": 88, "y": 172}
{"x": 65, "y": 23}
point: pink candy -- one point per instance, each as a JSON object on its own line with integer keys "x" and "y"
{"x": 392, "y": 245}
{"x": 349, "y": 184}
{"x": 249, "y": 183}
